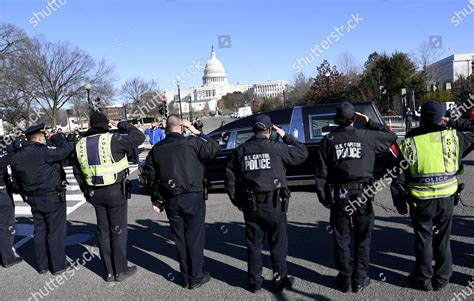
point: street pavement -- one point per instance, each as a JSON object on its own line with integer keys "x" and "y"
{"x": 310, "y": 260}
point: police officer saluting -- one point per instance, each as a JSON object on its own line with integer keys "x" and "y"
{"x": 344, "y": 167}
{"x": 101, "y": 169}
{"x": 431, "y": 155}
{"x": 35, "y": 169}
{"x": 7, "y": 214}
{"x": 174, "y": 171}
{"x": 256, "y": 184}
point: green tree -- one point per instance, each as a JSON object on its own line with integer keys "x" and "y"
{"x": 440, "y": 95}
{"x": 327, "y": 86}
{"x": 232, "y": 101}
{"x": 462, "y": 88}
{"x": 385, "y": 76}
{"x": 298, "y": 91}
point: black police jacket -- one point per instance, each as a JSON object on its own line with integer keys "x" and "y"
{"x": 35, "y": 167}
{"x": 259, "y": 165}
{"x": 121, "y": 144}
{"x": 5, "y": 199}
{"x": 175, "y": 165}
{"x": 347, "y": 154}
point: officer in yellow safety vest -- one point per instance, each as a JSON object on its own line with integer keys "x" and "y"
{"x": 101, "y": 169}
{"x": 430, "y": 157}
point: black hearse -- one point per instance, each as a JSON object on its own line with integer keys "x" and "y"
{"x": 307, "y": 123}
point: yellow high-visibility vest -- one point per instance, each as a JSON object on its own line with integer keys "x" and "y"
{"x": 433, "y": 160}
{"x": 98, "y": 166}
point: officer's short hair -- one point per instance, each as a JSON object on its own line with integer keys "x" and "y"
{"x": 35, "y": 135}
{"x": 172, "y": 120}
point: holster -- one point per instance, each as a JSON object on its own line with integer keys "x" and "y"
{"x": 61, "y": 189}
{"x": 284, "y": 196}
{"x": 205, "y": 189}
{"x": 457, "y": 195}
{"x": 127, "y": 189}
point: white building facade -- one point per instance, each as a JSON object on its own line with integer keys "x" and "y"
{"x": 215, "y": 85}
{"x": 445, "y": 72}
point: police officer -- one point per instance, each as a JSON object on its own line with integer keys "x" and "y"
{"x": 36, "y": 172}
{"x": 432, "y": 156}
{"x": 174, "y": 171}
{"x": 7, "y": 214}
{"x": 256, "y": 184}
{"x": 344, "y": 168}
{"x": 101, "y": 170}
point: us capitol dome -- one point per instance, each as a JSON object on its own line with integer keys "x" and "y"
{"x": 215, "y": 85}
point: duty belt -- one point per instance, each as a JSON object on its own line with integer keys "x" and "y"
{"x": 354, "y": 186}
{"x": 42, "y": 194}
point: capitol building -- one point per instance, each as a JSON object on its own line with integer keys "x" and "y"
{"x": 215, "y": 85}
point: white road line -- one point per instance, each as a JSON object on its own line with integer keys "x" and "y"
{"x": 27, "y": 238}
{"x": 26, "y": 210}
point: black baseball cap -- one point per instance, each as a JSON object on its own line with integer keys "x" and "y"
{"x": 432, "y": 112}
{"x": 262, "y": 122}
{"x": 345, "y": 110}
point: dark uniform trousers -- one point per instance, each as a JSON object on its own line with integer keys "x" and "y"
{"x": 7, "y": 229}
{"x": 267, "y": 220}
{"x": 187, "y": 213}
{"x": 49, "y": 218}
{"x": 112, "y": 228}
{"x": 361, "y": 233}
{"x": 432, "y": 220}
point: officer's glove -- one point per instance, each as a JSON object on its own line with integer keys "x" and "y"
{"x": 402, "y": 209}
{"x": 157, "y": 207}
{"x": 236, "y": 204}
{"x": 327, "y": 204}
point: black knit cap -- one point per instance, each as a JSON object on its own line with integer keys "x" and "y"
{"x": 345, "y": 111}
{"x": 432, "y": 112}
{"x": 99, "y": 120}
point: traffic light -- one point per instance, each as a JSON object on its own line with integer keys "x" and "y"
{"x": 97, "y": 104}
{"x": 165, "y": 106}
{"x": 165, "y": 109}
{"x": 160, "y": 109}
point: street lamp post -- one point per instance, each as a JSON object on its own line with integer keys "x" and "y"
{"x": 179, "y": 100}
{"x": 88, "y": 88}
{"x": 190, "y": 108}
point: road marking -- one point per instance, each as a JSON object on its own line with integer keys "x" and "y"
{"x": 26, "y": 210}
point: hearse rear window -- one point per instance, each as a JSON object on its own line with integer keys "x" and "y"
{"x": 321, "y": 124}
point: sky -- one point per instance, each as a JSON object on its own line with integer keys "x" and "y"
{"x": 263, "y": 39}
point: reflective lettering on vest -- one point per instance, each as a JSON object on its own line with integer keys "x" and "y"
{"x": 434, "y": 161}
{"x": 97, "y": 163}
{"x": 257, "y": 162}
{"x": 348, "y": 150}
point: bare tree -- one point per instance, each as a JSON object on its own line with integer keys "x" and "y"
{"x": 424, "y": 58}
{"x": 135, "y": 89}
{"x": 347, "y": 64}
{"x": 15, "y": 86}
{"x": 59, "y": 72}
{"x": 12, "y": 40}
{"x": 299, "y": 89}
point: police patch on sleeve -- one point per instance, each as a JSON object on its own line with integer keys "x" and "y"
{"x": 257, "y": 162}
{"x": 348, "y": 150}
